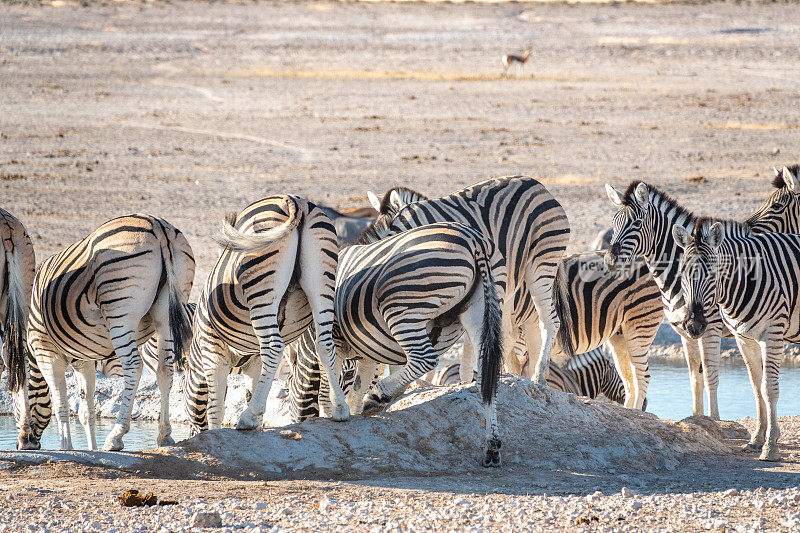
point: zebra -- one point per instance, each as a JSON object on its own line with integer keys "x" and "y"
{"x": 404, "y": 300}
{"x": 17, "y": 269}
{"x": 275, "y": 276}
{"x": 642, "y": 228}
{"x": 349, "y": 224}
{"x": 750, "y": 280}
{"x": 528, "y": 227}
{"x": 588, "y": 374}
{"x": 102, "y": 297}
{"x": 594, "y": 306}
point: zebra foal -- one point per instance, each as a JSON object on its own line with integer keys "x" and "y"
{"x": 275, "y": 277}
{"x": 101, "y": 298}
{"x": 404, "y": 300}
{"x": 751, "y": 279}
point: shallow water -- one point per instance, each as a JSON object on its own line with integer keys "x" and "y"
{"x": 142, "y": 435}
{"x": 669, "y": 396}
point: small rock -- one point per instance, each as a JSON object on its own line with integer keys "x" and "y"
{"x": 626, "y": 492}
{"x": 635, "y": 506}
{"x": 260, "y": 506}
{"x": 758, "y": 504}
{"x": 775, "y": 151}
{"x": 719, "y": 523}
{"x": 730, "y": 492}
{"x": 461, "y": 501}
{"x": 206, "y": 519}
{"x": 324, "y": 504}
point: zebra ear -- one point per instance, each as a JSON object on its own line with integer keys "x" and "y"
{"x": 374, "y": 201}
{"x": 681, "y": 236}
{"x": 790, "y": 180}
{"x": 715, "y": 233}
{"x": 642, "y": 195}
{"x": 613, "y": 195}
{"x": 395, "y": 200}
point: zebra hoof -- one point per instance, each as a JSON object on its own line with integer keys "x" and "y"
{"x": 341, "y": 413}
{"x": 752, "y": 447}
{"x": 166, "y": 441}
{"x": 373, "y": 404}
{"x": 247, "y": 421}
{"x": 28, "y": 443}
{"x": 492, "y": 457}
{"x": 770, "y": 453}
{"x": 113, "y": 444}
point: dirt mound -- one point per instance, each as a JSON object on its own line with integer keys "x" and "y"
{"x": 440, "y": 430}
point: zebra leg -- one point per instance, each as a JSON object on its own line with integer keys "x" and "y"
{"x": 164, "y": 368}
{"x": 216, "y": 369}
{"x": 54, "y": 367}
{"x": 541, "y": 289}
{"x": 751, "y": 352}
{"x": 366, "y": 375}
{"x": 468, "y": 360}
{"x": 123, "y": 337}
{"x": 473, "y": 320}
{"x": 271, "y": 353}
{"x": 420, "y": 358}
{"x": 35, "y": 410}
{"x": 85, "y": 370}
{"x": 626, "y": 370}
{"x": 710, "y": 355}
{"x": 691, "y": 349}
{"x": 772, "y": 353}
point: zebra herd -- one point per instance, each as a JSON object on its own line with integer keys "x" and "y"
{"x": 487, "y": 261}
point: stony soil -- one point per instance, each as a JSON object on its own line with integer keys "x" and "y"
{"x": 191, "y": 110}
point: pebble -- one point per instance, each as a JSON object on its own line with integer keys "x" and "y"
{"x": 206, "y": 519}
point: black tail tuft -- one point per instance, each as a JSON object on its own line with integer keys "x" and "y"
{"x": 14, "y": 328}
{"x": 491, "y": 349}
{"x": 180, "y": 327}
{"x": 561, "y": 306}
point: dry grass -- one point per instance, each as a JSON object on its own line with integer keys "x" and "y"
{"x": 413, "y": 75}
{"x": 764, "y": 127}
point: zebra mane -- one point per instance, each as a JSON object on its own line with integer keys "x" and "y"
{"x": 731, "y": 228}
{"x": 777, "y": 180}
{"x": 658, "y": 198}
{"x": 387, "y": 212}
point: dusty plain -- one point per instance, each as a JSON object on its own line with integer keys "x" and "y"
{"x": 190, "y": 110}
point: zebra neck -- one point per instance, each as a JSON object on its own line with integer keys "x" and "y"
{"x": 664, "y": 257}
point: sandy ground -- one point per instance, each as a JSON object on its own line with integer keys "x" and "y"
{"x": 191, "y": 110}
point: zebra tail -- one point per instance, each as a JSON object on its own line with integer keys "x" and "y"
{"x": 180, "y": 323}
{"x": 14, "y": 328}
{"x": 491, "y": 350}
{"x": 232, "y": 239}
{"x": 561, "y": 306}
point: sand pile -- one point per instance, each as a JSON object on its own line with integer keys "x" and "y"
{"x": 440, "y": 430}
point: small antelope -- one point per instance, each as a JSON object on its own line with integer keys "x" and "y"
{"x": 510, "y": 59}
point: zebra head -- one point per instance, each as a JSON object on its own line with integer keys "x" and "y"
{"x": 393, "y": 201}
{"x": 781, "y": 212}
{"x": 631, "y": 223}
{"x": 699, "y": 270}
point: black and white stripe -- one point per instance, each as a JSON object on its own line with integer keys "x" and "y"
{"x": 752, "y": 280}
{"x": 274, "y": 278}
{"x": 643, "y": 227}
{"x": 100, "y": 298}
{"x": 405, "y": 300}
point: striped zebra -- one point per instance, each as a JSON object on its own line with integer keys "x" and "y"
{"x": 405, "y": 300}
{"x": 751, "y": 280}
{"x": 588, "y": 374}
{"x": 594, "y": 306}
{"x": 100, "y": 298}
{"x": 642, "y": 228}
{"x": 17, "y": 268}
{"x": 275, "y": 276}
{"x": 527, "y": 226}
